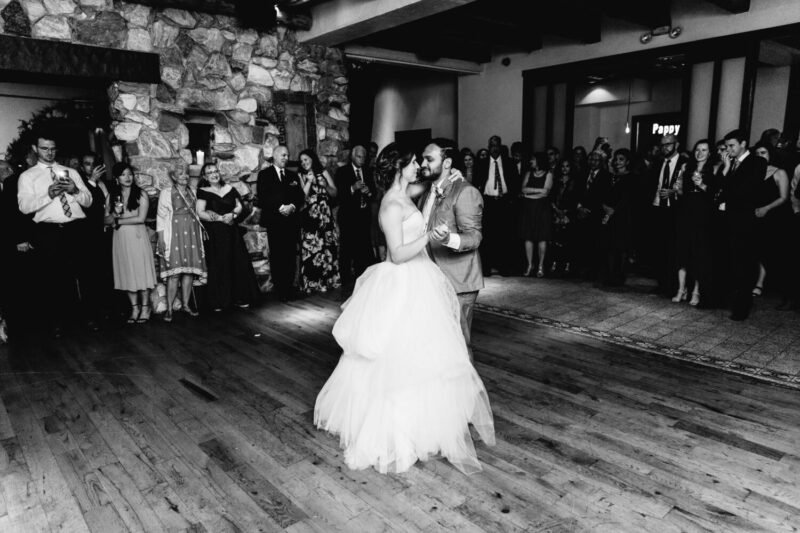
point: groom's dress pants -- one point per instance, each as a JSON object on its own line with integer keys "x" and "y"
{"x": 467, "y": 301}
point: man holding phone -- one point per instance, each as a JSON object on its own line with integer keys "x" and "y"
{"x": 56, "y": 196}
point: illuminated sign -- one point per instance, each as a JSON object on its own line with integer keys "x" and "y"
{"x": 665, "y": 129}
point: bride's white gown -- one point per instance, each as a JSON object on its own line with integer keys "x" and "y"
{"x": 404, "y": 387}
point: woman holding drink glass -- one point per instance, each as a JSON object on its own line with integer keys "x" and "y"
{"x": 134, "y": 269}
{"x": 696, "y": 193}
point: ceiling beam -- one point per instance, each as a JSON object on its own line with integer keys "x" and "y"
{"x": 341, "y": 21}
{"x": 734, "y": 6}
{"x": 383, "y": 56}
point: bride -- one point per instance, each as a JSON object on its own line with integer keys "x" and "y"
{"x": 404, "y": 388}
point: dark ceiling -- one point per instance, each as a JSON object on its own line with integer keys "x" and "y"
{"x": 481, "y": 29}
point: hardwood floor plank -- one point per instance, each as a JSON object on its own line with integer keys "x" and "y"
{"x": 100, "y": 431}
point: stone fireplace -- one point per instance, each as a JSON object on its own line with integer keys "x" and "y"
{"x": 252, "y": 90}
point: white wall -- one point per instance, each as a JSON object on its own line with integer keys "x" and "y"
{"x": 19, "y": 101}
{"x": 409, "y": 101}
{"x": 608, "y": 119}
{"x": 769, "y": 108}
{"x": 492, "y": 101}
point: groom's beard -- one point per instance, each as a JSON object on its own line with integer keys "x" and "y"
{"x": 422, "y": 178}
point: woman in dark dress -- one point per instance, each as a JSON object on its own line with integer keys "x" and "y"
{"x": 536, "y": 216}
{"x": 231, "y": 279}
{"x": 695, "y": 209}
{"x": 773, "y": 220}
{"x": 565, "y": 205}
{"x": 615, "y": 228}
{"x": 319, "y": 263}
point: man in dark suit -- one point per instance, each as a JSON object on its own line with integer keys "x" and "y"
{"x": 590, "y": 214}
{"x": 740, "y": 177}
{"x": 280, "y": 198}
{"x": 661, "y": 194}
{"x": 356, "y": 193}
{"x": 498, "y": 181}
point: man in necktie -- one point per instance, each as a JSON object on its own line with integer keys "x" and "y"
{"x": 741, "y": 175}
{"x": 356, "y": 196}
{"x": 662, "y": 196}
{"x": 499, "y": 182}
{"x": 57, "y": 197}
{"x": 590, "y": 215}
{"x": 280, "y": 198}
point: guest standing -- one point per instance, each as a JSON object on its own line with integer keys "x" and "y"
{"x": 589, "y": 214}
{"x": 497, "y": 179}
{"x": 773, "y": 219}
{"x": 536, "y": 214}
{"x": 565, "y": 205}
{"x": 742, "y": 174}
{"x": 134, "y": 271}
{"x": 180, "y": 243}
{"x": 231, "y": 279}
{"x": 469, "y": 164}
{"x": 280, "y": 198}
{"x": 356, "y": 195}
{"x": 57, "y": 197}
{"x": 319, "y": 257}
{"x": 615, "y": 226}
{"x": 694, "y": 237}
{"x": 97, "y": 271}
{"x": 661, "y": 193}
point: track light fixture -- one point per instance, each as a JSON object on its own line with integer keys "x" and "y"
{"x": 673, "y": 32}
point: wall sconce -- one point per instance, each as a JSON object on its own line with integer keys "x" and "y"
{"x": 673, "y": 33}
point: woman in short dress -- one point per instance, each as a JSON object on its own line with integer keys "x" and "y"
{"x": 537, "y": 215}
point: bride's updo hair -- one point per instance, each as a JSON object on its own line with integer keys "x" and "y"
{"x": 391, "y": 159}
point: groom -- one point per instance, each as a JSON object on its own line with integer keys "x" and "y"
{"x": 454, "y": 202}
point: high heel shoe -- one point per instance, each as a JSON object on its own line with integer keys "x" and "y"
{"x": 540, "y": 273}
{"x": 189, "y": 311}
{"x": 680, "y": 297}
{"x": 695, "y": 301}
{"x": 136, "y": 310}
{"x": 528, "y": 271}
{"x": 144, "y": 316}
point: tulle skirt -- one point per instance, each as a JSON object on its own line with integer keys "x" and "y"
{"x": 404, "y": 388}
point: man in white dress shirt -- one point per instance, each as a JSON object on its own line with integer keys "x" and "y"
{"x": 56, "y": 196}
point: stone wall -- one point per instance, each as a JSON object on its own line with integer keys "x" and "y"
{"x": 235, "y": 76}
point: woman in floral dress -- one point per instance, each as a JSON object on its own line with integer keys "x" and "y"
{"x": 319, "y": 263}
{"x": 180, "y": 243}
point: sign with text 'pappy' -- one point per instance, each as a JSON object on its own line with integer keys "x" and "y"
{"x": 665, "y": 129}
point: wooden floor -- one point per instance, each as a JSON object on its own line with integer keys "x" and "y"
{"x": 206, "y": 425}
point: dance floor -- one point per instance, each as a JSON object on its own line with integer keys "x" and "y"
{"x": 206, "y": 425}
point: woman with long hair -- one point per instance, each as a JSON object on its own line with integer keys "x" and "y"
{"x": 693, "y": 248}
{"x": 536, "y": 218}
{"x": 134, "y": 270}
{"x": 319, "y": 243}
{"x": 231, "y": 279}
{"x": 564, "y": 201}
{"x": 180, "y": 243}
{"x": 404, "y": 388}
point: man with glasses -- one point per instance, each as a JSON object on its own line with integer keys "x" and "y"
{"x": 57, "y": 197}
{"x": 663, "y": 195}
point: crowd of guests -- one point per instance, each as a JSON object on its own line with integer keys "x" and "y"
{"x": 715, "y": 226}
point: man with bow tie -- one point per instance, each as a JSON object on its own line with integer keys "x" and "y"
{"x": 280, "y": 198}
{"x": 455, "y": 208}
{"x": 57, "y": 197}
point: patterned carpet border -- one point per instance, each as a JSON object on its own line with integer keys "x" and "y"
{"x": 760, "y": 373}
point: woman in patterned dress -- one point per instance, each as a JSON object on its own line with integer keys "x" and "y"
{"x": 319, "y": 264}
{"x": 180, "y": 242}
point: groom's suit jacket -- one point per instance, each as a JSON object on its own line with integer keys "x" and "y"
{"x": 460, "y": 206}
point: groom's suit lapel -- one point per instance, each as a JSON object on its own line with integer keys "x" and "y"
{"x": 446, "y": 186}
